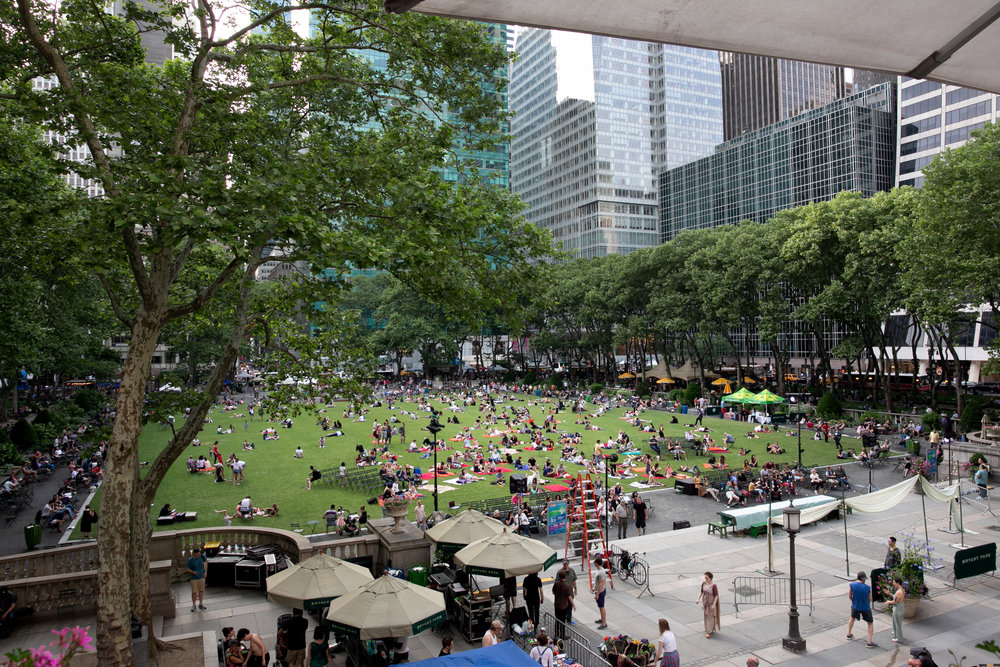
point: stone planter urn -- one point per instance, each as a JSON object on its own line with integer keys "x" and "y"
{"x": 910, "y": 606}
{"x": 398, "y": 512}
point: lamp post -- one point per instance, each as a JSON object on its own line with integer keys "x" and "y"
{"x": 794, "y": 641}
{"x": 434, "y": 427}
{"x": 800, "y": 442}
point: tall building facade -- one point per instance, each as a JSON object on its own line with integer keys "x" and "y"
{"x": 849, "y": 144}
{"x": 595, "y": 119}
{"x": 758, "y": 91}
{"x": 934, "y": 116}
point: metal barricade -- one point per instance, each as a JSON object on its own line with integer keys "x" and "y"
{"x": 582, "y": 648}
{"x": 771, "y": 591}
{"x": 639, "y": 559}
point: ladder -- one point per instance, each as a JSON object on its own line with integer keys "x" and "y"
{"x": 585, "y": 536}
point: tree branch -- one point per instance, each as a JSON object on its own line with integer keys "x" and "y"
{"x": 203, "y": 297}
{"x": 115, "y": 304}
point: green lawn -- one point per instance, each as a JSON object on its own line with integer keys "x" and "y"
{"x": 274, "y": 475}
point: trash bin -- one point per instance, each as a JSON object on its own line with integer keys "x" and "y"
{"x": 684, "y": 409}
{"x": 32, "y": 535}
{"x": 418, "y": 575}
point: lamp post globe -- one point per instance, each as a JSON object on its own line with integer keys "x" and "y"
{"x": 435, "y": 427}
{"x": 794, "y": 641}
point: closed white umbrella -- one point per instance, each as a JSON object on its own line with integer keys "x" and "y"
{"x": 387, "y": 607}
{"x": 506, "y": 555}
{"x": 313, "y": 583}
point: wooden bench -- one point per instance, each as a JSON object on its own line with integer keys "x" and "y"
{"x": 758, "y": 529}
{"x": 718, "y": 527}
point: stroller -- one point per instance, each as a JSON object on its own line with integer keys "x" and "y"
{"x": 281, "y": 643}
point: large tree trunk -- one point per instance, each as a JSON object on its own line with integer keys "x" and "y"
{"x": 115, "y": 592}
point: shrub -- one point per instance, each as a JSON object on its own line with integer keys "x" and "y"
{"x": 23, "y": 435}
{"x": 90, "y": 400}
{"x": 530, "y": 377}
{"x": 829, "y": 406}
{"x": 972, "y": 414}
{"x": 977, "y": 459}
{"x": 43, "y": 417}
{"x": 692, "y": 392}
{"x": 596, "y": 388}
{"x": 4, "y": 436}
{"x": 676, "y": 394}
{"x": 931, "y": 421}
{"x": 9, "y": 454}
{"x": 642, "y": 389}
{"x": 556, "y": 381}
{"x": 509, "y": 377}
{"x": 871, "y": 414}
{"x": 913, "y": 446}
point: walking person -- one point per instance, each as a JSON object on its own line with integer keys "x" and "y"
{"x": 639, "y": 513}
{"x": 295, "y": 638}
{"x": 570, "y": 574}
{"x": 708, "y": 596}
{"x": 893, "y": 557}
{"x": 860, "y": 595}
{"x": 420, "y": 514}
{"x": 197, "y": 567}
{"x": 666, "y": 647}
{"x": 621, "y": 515}
{"x": 533, "y": 596}
{"x": 897, "y": 610}
{"x": 601, "y": 591}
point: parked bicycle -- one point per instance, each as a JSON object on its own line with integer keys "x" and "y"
{"x": 631, "y": 566}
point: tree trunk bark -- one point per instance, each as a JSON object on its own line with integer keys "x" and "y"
{"x": 114, "y": 643}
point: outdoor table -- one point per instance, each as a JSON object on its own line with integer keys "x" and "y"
{"x": 744, "y": 517}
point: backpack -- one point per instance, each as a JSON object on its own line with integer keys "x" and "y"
{"x": 541, "y": 654}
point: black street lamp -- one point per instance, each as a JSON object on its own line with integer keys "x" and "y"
{"x": 435, "y": 427}
{"x": 608, "y": 460}
{"x": 794, "y": 641}
{"x": 800, "y": 441}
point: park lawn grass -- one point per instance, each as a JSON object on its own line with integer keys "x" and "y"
{"x": 274, "y": 475}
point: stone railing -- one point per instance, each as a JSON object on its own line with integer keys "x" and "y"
{"x": 64, "y": 581}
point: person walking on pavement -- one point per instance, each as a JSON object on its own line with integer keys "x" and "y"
{"x": 571, "y": 580}
{"x": 639, "y": 513}
{"x": 892, "y": 556}
{"x": 621, "y": 515}
{"x": 666, "y": 646}
{"x": 295, "y": 637}
{"x": 600, "y": 591}
{"x": 533, "y": 596}
{"x": 197, "y": 567}
{"x": 897, "y": 610}
{"x": 708, "y": 596}
{"x": 860, "y": 595}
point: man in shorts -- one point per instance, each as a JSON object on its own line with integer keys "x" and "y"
{"x": 860, "y": 595}
{"x": 600, "y": 591}
{"x": 197, "y": 567}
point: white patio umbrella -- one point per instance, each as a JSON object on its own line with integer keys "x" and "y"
{"x": 387, "y": 607}
{"x": 506, "y": 555}
{"x": 313, "y": 583}
{"x": 459, "y": 531}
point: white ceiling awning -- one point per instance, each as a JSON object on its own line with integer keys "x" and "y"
{"x": 951, "y": 42}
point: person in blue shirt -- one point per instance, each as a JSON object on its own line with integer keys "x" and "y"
{"x": 980, "y": 478}
{"x": 860, "y": 595}
{"x": 197, "y": 566}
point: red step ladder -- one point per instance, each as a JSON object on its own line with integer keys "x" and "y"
{"x": 585, "y": 533}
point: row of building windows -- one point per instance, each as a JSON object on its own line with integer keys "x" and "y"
{"x": 967, "y": 113}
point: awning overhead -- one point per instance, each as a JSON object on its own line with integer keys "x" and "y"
{"x": 952, "y": 42}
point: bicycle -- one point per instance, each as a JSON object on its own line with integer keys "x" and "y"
{"x": 630, "y": 566}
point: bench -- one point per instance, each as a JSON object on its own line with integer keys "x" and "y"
{"x": 718, "y": 527}
{"x": 758, "y": 529}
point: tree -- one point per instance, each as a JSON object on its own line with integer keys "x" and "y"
{"x": 256, "y": 137}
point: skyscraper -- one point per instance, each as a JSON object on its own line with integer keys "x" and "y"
{"x": 758, "y": 91}
{"x": 596, "y": 118}
{"x": 932, "y": 117}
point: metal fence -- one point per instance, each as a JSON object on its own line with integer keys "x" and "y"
{"x": 583, "y": 648}
{"x": 640, "y": 561}
{"x": 771, "y": 591}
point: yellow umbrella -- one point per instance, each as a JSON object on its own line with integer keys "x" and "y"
{"x": 720, "y": 381}
{"x": 748, "y": 380}
{"x": 625, "y": 375}
{"x": 665, "y": 381}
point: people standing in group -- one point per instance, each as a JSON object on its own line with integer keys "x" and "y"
{"x": 295, "y": 638}
{"x": 860, "y": 595}
{"x": 639, "y": 513}
{"x": 563, "y": 601}
{"x": 256, "y": 645}
{"x": 533, "y": 596}
{"x": 197, "y": 567}
{"x": 893, "y": 557}
{"x": 543, "y": 653}
{"x": 666, "y": 646}
{"x": 896, "y": 603}
{"x": 601, "y": 591}
{"x": 708, "y": 597}
{"x": 621, "y": 515}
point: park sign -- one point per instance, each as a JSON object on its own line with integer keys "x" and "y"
{"x": 557, "y": 517}
{"x": 976, "y": 560}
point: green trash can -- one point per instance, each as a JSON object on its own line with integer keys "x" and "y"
{"x": 418, "y": 575}
{"x": 32, "y": 535}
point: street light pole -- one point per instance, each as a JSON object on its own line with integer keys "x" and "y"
{"x": 800, "y": 442}
{"x": 435, "y": 427}
{"x": 794, "y": 641}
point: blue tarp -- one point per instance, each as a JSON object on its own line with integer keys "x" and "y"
{"x": 506, "y": 654}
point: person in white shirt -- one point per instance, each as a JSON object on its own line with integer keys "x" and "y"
{"x": 543, "y": 653}
{"x": 666, "y": 646}
{"x": 493, "y": 635}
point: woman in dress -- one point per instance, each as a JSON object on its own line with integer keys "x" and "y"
{"x": 319, "y": 649}
{"x": 708, "y": 596}
{"x": 897, "y": 610}
{"x": 666, "y": 647}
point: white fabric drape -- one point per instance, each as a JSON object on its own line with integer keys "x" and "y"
{"x": 880, "y": 501}
{"x": 950, "y": 495}
{"x": 810, "y": 514}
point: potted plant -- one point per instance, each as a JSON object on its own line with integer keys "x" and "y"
{"x": 915, "y": 556}
{"x": 397, "y": 508}
{"x": 639, "y": 651}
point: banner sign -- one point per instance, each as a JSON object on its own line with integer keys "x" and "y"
{"x": 557, "y": 517}
{"x": 976, "y": 560}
